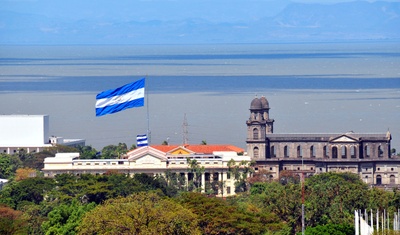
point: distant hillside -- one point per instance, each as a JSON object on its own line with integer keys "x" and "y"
{"x": 358, "y": 20}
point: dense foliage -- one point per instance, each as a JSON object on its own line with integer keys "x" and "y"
{"x": 119, "y": 204}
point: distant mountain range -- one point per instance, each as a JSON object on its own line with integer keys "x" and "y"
{"x": 297, "y": 22}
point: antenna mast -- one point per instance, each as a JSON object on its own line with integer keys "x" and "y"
{"x": 185, "y": 131}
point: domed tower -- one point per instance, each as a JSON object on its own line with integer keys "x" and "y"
{"x": 258, "y": 125}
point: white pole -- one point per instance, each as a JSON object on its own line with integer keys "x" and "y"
{"x": 377, "y": 220}
{"x": 384, "y": 220}
{"x": 372, "y": 222}
{"x": 147, "y": 113}
{"x": 356, "y": 222}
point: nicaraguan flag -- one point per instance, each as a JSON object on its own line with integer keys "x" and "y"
{"x": 115, "y": 100}
{"x": 141, "y": 140}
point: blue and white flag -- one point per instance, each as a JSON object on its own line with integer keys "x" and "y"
{"x": 115, "y": 100}
{"x": 141, "y": 140}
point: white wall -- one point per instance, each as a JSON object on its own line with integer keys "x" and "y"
{"x": 24, "y": 130}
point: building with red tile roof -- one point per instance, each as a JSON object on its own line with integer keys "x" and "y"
{"x": 197, "y": 149}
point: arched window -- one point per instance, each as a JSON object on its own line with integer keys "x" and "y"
{"x": 392, "y": 179}
{"x": 344, "y": 152}
{"x": 256, "y": 152}
{"x": 380, "y": 151}
{"x": 299, "y": 152}
{"x": 378, "y": 179}
{"x": 255, "y": 133}
{"x": 273, "y": 151}
{"x": 312, "y": 152}
{"x": 353, "y": 152}
{"x": 334, "y": 152}
{"x": 366, "y": 151}
{"x": 326, "y": 152}
{"x": 285, "y": 151}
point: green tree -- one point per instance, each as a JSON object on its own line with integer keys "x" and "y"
{"x": 87, "y": 152}
{"x": 114, "y": 151}
{"x": 333, "y": 197}
{"x": 133, "y": 146}
{"x": 8, "y": 165}
{"x": 240, "y": 173}
{"x": 217, "y": 216}
{"x": 328, "y": 229}
{"x": 35, "y": 215}
{"x": 282, "y": 200}
{"x": 195, "y": 170}
{"x": 65, "y": 218}
{"x": 31, "y": 190}
{"x": 11, "y": 221}
{"x": 142, "y": 213}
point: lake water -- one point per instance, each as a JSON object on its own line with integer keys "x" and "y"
{"x": 312, "y": 88}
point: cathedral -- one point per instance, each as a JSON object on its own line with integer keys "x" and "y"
{"x": 367, "y": 155}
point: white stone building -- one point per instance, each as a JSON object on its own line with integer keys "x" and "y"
{"x": 29, "y": 132}
{"x": 153, "y": 162}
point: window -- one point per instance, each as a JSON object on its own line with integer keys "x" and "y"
{"x": 366, "y": 151}
{"x": 228, "y": 175}
{"x": 270, "y": 168}
{"x": 299, "y": 152}
{"x": 380, "y": 151}
{"x": 392, "y": 179}
{"x": 286, "y": 151}
{"x": 378, "y": 179}
{"x": 228, "y": 190}
{"x": 353, "y": 152}
{"x": 120, "y": 162}
{"x": 326, "y": 152}
{"x": 344, "y": 152}
{"x": 334, "y": 152}
{"x": 273, "y": 151}
{"x": 312, "y": 152}
{"x": 256, "y": 153}
{"x": 255, "y": 133}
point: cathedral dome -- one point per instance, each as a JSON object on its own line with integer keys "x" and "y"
{"x": 256, "y": 104}
{"x": 264, "y": 103}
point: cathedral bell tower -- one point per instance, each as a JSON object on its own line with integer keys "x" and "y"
{"x": 258, "y": 125}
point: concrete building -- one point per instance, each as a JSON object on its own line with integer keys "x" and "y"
{"x": 153, "y": 161}
{"x": 28, "y": 132}
{"x": 367, "y": 155}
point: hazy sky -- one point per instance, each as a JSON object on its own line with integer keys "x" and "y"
{"x": 229, "y": 10}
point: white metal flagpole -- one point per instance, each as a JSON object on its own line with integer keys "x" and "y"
{"x": 147, "y": 112}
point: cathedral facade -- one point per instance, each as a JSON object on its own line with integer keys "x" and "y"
{"x": 367, "y": 155}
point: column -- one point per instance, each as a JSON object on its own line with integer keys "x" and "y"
{"x": 221, "y": 179}
{"x": 203, "y": 182}
{"x": 186, "y": 180}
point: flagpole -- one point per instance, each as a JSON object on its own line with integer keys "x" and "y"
{"x": 147, "y": 113}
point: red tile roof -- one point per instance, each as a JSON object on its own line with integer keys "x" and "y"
{"x": 205, "y": 149}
